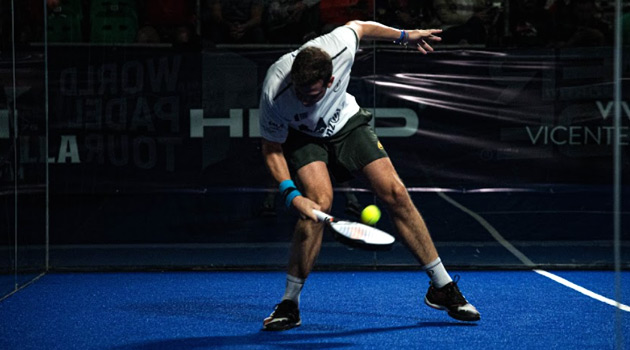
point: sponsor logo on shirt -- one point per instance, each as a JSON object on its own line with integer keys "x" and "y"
{"x": 272, "y": 127}
{"x": 332, "y": 123}
{"x": 337, "y": 86}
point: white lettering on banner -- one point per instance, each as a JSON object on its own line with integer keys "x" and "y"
{"x": 409, "y": 129}
{"x": 123, "y": 150}
{"x": 563, "y": 80}
{"x": 236, "y": 126}
{"x": 606, "y": 111}
{"x": 234, "y": 122}
{"x": 577, "y": 135}
{"x": 32, "y": 149}
{"x": 125, "y": 113}
{"x": 570, "y": 134}
{"x": 128, "y": 78}
{"x": 132, "y": 109}
{"x": 254, "y": 125}
{"x": 125, "y": 105}
{"x": 118, "y": 150}
{"x": 68, "y": 149}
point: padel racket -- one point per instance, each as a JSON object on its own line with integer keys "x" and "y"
{"x": 355, "y": 234}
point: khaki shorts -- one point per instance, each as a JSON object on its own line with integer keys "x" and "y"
{"x": 345, "y": 153}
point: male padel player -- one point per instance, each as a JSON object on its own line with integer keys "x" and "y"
{"x": 311, "y": 125}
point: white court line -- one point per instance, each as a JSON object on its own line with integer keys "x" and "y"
{"x": 526, "y": 261}
{"x": 583, "y": 290}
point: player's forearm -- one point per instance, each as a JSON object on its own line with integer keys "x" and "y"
{"x": 277, "y": 164}
{"x": 369, "y": 30}
{"x": 376, "y": 31}
{"x": 275, "y": 161}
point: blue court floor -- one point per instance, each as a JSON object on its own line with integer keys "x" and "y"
{"x": 340, "y": 310}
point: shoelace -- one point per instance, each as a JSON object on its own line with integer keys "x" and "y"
{"x": 454, "y": 293}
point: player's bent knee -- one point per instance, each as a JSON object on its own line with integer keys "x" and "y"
{"x": 324, "y": 202}
{"x": 396, "y": 196}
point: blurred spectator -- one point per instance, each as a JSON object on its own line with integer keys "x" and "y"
{"x": 403, "y": 13}
{"x": 334, "y": 13}
{"x": 167, "y": 21}
{"x": 113, "y": 21}
{"x": 531, "y": 24}
{"x": 29, "y": 21}
{"x": 236, "y": 21}
{"x": 65, "y": 21}
{"x": 466, "y": 21}
{"x": 292, "y": 21}
{"x": 579, "y": 24}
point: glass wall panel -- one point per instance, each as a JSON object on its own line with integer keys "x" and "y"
{"x": 23, "y": 135}
{"x": 509, "y": 159}
{"x": 502, "y": 135}
{"x": 621, "y": 219}
{"x": 30, "y": 104}
{"x": 8, "y": 147}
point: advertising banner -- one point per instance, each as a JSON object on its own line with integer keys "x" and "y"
{"x": 159, "y": 119}
{"x": 155, "y": 145}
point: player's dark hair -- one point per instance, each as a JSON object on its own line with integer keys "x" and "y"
{"x": 311, "y": 65}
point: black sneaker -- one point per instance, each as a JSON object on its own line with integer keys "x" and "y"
{"x": 285, "y": 316}
{"x": 451, "y": 299}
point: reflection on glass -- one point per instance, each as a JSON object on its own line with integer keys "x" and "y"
{"x": 511, "y": 113}
{"x": 23, "y": 135}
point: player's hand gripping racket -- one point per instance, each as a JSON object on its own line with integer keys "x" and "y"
{"x": 355, "y": 234}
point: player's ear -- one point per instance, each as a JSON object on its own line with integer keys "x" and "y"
{"x": 330, "y": 82}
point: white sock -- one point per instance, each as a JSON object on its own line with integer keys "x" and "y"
{"x": 294, "y": 288}
{"x": 437, "y": 273}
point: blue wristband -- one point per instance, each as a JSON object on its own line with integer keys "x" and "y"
{"x": 403, "y": 38}
{"x": 290, "y": 197}
{"x": 288, "y": 191}
{"x": 286, "y": 184}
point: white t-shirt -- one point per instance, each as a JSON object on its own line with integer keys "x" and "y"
{"x": 280, "y": 108}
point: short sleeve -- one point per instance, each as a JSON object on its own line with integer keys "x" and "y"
{"x": 272, "y": 127}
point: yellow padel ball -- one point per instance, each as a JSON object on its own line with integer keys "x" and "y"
{"x": 370, "y": 215}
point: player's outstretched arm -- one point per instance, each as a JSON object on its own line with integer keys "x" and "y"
{"x": 376, "y": 31}
{"x": 277, "y": 165}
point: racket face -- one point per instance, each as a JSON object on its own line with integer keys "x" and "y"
{"x": 362, "y": 233}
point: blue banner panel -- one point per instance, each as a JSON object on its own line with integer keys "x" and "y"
{"x": 142, "y": 122}
{"x": 147, "y": 118}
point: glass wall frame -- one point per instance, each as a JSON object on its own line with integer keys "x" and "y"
{"x": 24, "y": 142}
{"x": 502, "y": 121}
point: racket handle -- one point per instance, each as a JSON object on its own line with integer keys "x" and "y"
{"x": 321, "y": 216}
